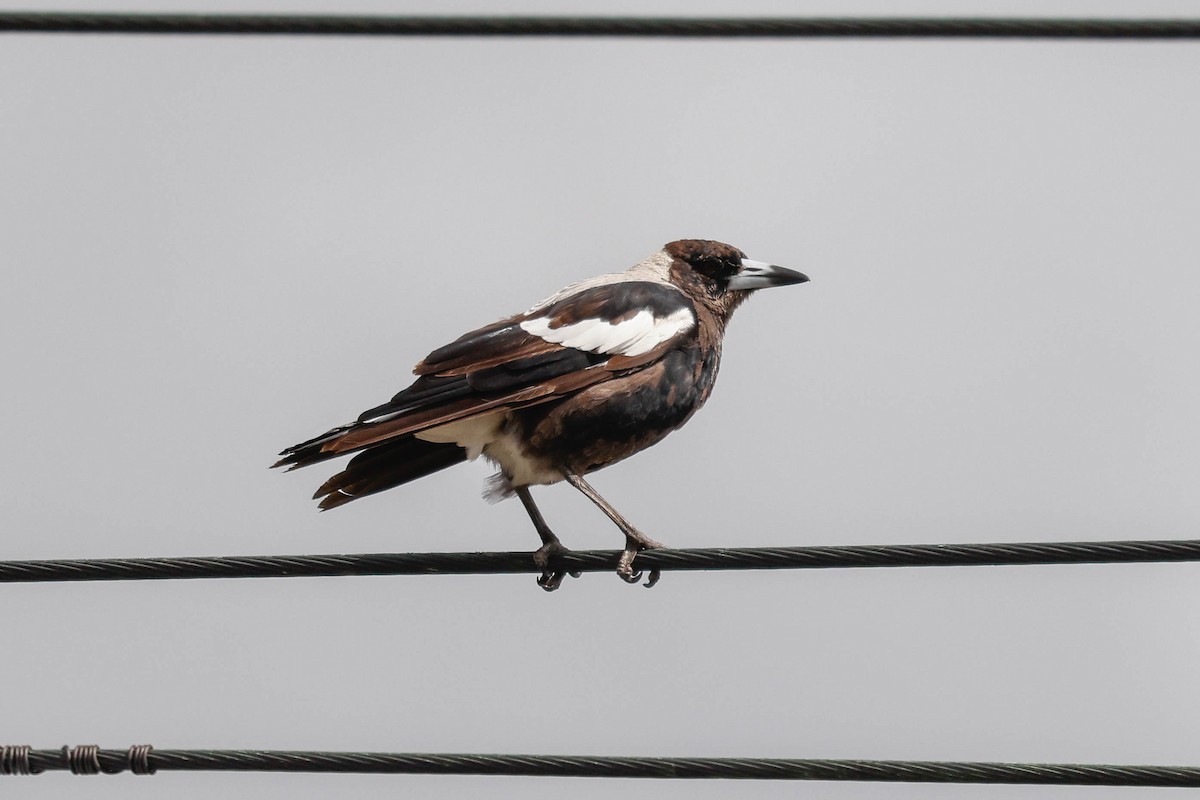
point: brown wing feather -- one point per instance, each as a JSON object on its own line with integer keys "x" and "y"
{"x": 489, "y": 346}
{"x": 627, "y": 363}
{"x": 426, "y": 418}
{"x": 492, "y": 369}
{"x": 359, "y": 437}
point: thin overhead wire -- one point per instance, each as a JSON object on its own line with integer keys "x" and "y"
{"x": 759, "y": 27}
{"x": 300, "y": 566}
{"x": 145, "y": 760}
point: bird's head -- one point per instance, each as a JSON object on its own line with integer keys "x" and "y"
{"x": 720, "y": 274}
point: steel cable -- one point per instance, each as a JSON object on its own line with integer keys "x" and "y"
{"x": 861, "y": 27}
{"x": 143, "y": 759}
{"x": 298, "y": 566}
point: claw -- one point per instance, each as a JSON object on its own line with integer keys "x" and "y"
{"x": 551, "y": 579}
{"x": 625, "y": 564}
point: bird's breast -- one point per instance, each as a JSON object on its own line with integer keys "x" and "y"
{"x": 615, "y": 419}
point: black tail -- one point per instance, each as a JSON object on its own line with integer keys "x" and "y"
{"x": 386, "y": 465}
{"x": 310, "y": 452}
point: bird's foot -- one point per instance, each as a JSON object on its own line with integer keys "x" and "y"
{"x": 635, "y": 543}
{"x": 551, "y": 579}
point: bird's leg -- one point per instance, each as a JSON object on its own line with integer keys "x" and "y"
{"x": 635, "y": 540}
{"x": 551, "y": 546}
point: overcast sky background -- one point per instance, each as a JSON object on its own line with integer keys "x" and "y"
{"x": 216, "y": 247}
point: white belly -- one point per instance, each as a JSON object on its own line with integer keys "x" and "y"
{"x": 489, "y": 436}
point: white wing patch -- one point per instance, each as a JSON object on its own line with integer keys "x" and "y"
{"x": 639, "y": 334}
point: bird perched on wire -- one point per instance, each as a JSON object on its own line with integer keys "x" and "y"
{"x": 587, "y": 377}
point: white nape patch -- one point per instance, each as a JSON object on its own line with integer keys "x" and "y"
{"x": 652, "y": 269}
{"x": 639, "y": 334}
{"x": 470, "y": 434}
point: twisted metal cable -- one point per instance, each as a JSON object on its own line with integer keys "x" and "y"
{"x": 864, "y": 27}
{"x": 114, "y": 761}
{"x": 923, "y": 555}
{"x": 14, "y": 760}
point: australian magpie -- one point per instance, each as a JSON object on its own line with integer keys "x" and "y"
{"x": 587, "y": 377}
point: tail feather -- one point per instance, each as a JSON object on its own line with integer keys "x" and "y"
{"x": 387, "y": 465}
{"x": 310, "y": 452}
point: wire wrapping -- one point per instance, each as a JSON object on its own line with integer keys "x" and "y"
{"x": 115, "y": 761}
{"x": 299, "y": 566}
{"x": 83, "y": 760}
{"x": 14, "y": 760}
{"x": 138, "y": 758}
{"x": 862, "y": 27}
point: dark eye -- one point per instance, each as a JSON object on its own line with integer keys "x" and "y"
{"x": 715, "y": 266}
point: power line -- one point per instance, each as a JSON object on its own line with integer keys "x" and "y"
{"x": 145, "y": 760}
{"x": 300, "y": 566}
{"x": 792, "y": 27}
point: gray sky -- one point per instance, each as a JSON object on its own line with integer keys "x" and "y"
{"x": 216, "y": 247}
